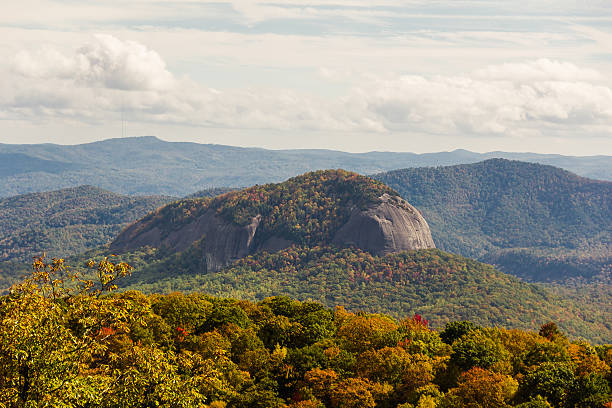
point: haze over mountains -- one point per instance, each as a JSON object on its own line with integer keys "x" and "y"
{"x": 148, "y": 165}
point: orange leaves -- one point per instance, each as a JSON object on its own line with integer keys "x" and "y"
{"x": 483, "y": 388}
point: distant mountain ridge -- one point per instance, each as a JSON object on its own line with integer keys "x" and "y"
{"x": 148, "y": 165}
{"x": 501, "y": 211}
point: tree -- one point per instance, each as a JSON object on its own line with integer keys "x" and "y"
{"x": 454, "y": 330}
{"x": 589, "y": 391}
{"x": 551, "y": 380}
{"x": 551, "y": 332}
{"x": 477, "y": 349}
{"x": 363, "y": 332}
{"x": 357, "y": 393}
{"x": 480, "y": 388}
{"x": 395, "y": 366}
{"x": 53, "y": 324}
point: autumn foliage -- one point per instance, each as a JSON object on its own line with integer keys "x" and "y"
{"x": 70, "y": 341}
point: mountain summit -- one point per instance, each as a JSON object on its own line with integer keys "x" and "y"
{"x": 319, "y": 208}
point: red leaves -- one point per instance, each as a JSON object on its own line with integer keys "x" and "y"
{"x": 417, "y": 318}
{"x": 181, "y": 333}
{"x": 106, "y": 331}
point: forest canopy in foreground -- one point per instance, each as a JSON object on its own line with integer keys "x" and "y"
{"x": 442, "y": 286}
{"x": 71, "y": 342}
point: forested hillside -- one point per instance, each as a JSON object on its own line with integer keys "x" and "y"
{"x": 67, "y": 221}
{"x": 83, "y": 346}
{"x": 148, "y": 165}
{"x": 307, "y": 211}
{"x": 439, "y": 285}
{"x": 171, "y": 251}
{"x": 535, "y": 221}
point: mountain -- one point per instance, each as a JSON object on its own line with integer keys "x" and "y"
{"x": 12, "y": 164}
{"x": 535, "y": 221}
{"x": 68, "y": 221}
{"x": 147, "y": 165}
{"x": 319, "y": 208}
{"x": 282, "y": 239}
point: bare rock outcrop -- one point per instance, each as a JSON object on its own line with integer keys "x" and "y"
{"x": 391, "y": 226}
{"x": 222, "y": 242}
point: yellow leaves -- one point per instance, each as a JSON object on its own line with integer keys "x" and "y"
{"x": 362, "y": 332}
{"x": 483, "y": 388}
{"x": 279, "y": 353}
{"x": 586, "y": 360}
{"x": 108, "y": 272}
{"x": 321, "y": 381}
{"x": 358, "y": 393}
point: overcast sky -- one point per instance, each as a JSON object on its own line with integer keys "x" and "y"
{"x": 353, "y": 75}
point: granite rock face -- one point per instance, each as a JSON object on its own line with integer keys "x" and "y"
{"x": 392, "y": 225}
{"x": 221, "y": 241}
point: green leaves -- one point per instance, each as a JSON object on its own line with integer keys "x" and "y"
{"x": 79, "y": 345}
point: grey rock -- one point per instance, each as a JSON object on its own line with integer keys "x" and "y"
{"x": 222, "y": 242}
{"x": 391, "y": 226}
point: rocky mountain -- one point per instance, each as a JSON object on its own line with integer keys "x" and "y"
{"x": 147, "y": 165}
{"x": 338, "y": 238}
{"x": 535, "y": 221}
{"x": 319, "y": 208}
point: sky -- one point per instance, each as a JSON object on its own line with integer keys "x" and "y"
{"x": 352, "y": 75}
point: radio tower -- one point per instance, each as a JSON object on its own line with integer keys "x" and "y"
{"x": 122, "y": 122}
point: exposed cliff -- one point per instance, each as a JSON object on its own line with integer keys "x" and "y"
{"x": 318, "y": 208}
{"x": 391, "y": 226}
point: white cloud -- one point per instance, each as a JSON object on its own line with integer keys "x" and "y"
{"x": 540, "y": 70}
{"x": 514, "y": 99}
{"x": 510, "y": 99}
{"x": 107, "y": 62}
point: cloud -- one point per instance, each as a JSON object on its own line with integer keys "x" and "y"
{"x": 513, "y": 99}
{"x": 539, "y": 70}
{"x": 510, "y": 99}
{"x": 107, "y": 62}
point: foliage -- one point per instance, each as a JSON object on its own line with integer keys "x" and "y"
{"x": 52, "y": 324}
{"x": 432, "y": 283}
{"x": 534, "y": 221}
{"x": 482, "y": 388}
{"x": 67, "y": 221}
{"x": 66, "y": 341}
{"x": 477, "y": 348}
